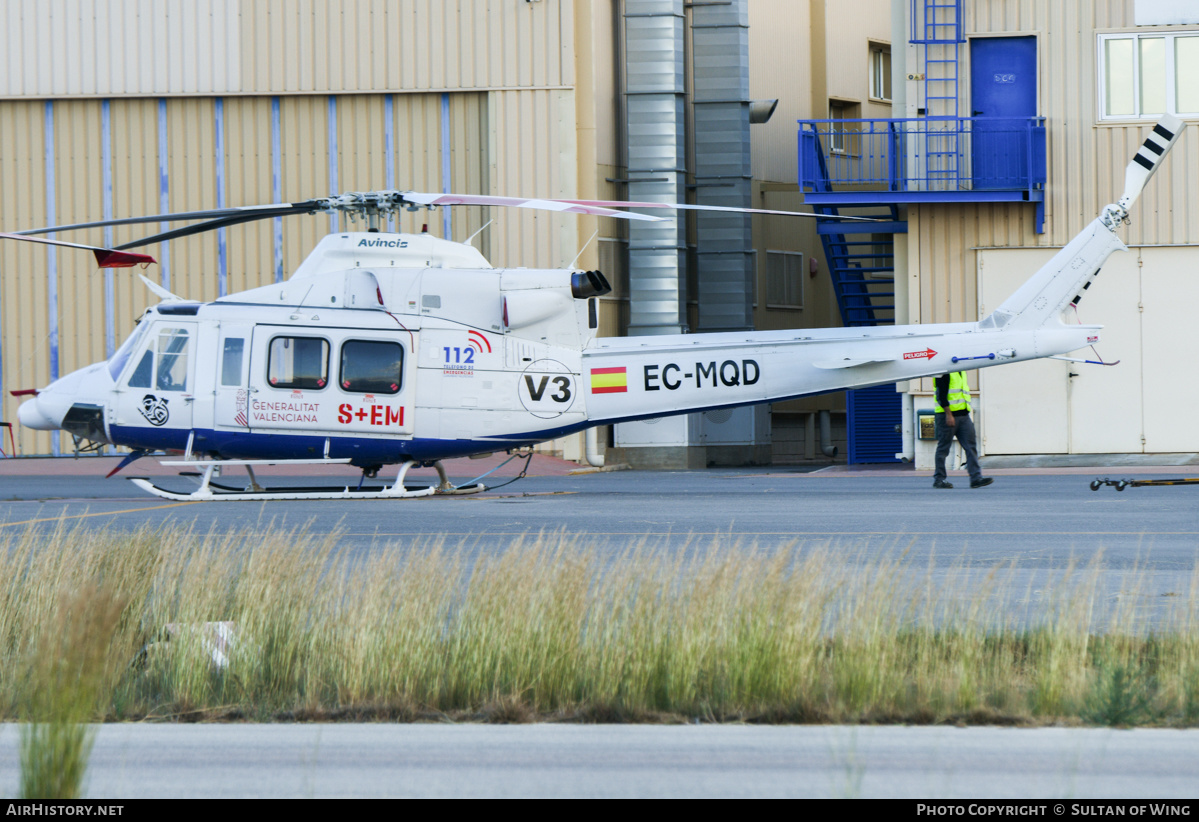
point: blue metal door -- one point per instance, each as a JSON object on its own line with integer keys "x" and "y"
{"x": 1003, "y": 94}
{"x": 874, "y": 415}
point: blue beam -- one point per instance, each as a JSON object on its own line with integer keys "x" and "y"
{"x": 848, "y": 199}
{"x": 852, "y": 227}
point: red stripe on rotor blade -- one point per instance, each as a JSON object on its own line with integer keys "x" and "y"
{"x": 121, "y": 259}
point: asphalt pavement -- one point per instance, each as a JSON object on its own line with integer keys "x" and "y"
{"x": 1037, "y": 522}
{"x": 1061, "y": 765}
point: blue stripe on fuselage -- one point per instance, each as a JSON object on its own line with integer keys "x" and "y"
{"x": 254, "y": 445}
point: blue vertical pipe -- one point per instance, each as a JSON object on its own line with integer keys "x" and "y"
{"x": 52, "y": 257}
{"x": 110, "y": 342}
{"x": 222, "y": 262}
{"x": 446, "y": 220}
{"x": 164, "y": 193}
{"x": 389, "y": 160}
{"x": 277, "y": 184}
{"x": 333, "y": 221}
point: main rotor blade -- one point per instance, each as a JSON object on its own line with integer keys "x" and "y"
{"x": 212, "y": 225}
{"x": 105, "y": 257}
{"x": 179, "y": 216}
{"x": 689, "y": 207}
{"x": 573, "y": 206}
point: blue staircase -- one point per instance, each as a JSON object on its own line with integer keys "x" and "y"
{"x": 861, "y": 262}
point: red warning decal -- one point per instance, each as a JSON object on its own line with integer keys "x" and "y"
{"x": 382, "y": 415}
{"x": 927, "y": 353}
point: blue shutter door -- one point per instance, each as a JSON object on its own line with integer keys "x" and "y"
{"x": 873, "y": 414}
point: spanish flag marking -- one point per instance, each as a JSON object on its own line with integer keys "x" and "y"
{"x": 609, "y": 380}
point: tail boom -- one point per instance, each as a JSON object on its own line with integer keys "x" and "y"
{"x": 638, "y": 377}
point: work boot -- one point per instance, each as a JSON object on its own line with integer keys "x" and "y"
{"x": 944, "y": 484}
{"x": 981, "y": 482}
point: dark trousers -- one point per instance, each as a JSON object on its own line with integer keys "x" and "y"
{"x": 963, "y": 429}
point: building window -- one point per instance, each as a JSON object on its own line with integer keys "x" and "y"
{"x": 784, "y": 279}
{"x": 298, "y": 362}
{"x": 842, "y": 138}
{"x": 1147, "y": 75}
{"x": 880, "y": 72}
{"x": 376, "y": 367}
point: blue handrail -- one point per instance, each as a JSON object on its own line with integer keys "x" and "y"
{"x": 923, "y": 154}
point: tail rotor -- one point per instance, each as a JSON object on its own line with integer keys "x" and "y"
{"x": 1147, "y": 159}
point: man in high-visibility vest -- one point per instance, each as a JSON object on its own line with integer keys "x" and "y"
{"x": 953, "y": 419}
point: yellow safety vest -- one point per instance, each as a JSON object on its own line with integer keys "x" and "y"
{"x": 959, "y": 394}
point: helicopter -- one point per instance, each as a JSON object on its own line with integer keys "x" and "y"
{"x": 407, "y": 349}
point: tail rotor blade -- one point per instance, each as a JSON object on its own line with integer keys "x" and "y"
{"x": 1149, "y": 156}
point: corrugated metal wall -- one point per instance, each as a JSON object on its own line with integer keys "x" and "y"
{"x": 126, "y": 107}
{"x": 59, "y": 313}
{"x": 171, "y": 47}
{"x": 1086, "y": 160}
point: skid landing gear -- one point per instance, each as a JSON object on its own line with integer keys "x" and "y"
{"x": 210, "y": 490}
{"x": 1121, "y": 484}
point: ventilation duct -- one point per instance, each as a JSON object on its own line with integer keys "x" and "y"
{"x": 654, "y": 119}
{"x": 720, "y": 49}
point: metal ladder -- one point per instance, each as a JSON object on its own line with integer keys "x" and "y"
{"x": 939, "y": 30}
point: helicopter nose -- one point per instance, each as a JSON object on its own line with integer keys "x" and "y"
{"x": 45, "y": 412}
{"x": 30, "y": 415}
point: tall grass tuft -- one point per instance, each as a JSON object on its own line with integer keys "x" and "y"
{"x": 553, "y": 626}
{"x": 68, "y": 671}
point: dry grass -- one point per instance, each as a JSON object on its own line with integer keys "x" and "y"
{"x": 553, "y": 627}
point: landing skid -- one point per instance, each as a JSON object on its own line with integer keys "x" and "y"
{"x": 210, "y": 490}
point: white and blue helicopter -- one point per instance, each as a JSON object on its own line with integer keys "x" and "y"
{"x": 402, "y": 349}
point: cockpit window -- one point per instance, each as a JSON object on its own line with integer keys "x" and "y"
{"x": 117, "y": 364}
{"x": 172, "y": 359}
{"x": 164, "y": 364}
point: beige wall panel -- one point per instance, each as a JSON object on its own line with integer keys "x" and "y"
{"x": 527, "y": 128}
{"x": 361, "y": 144}
{"x": 849, "y": 28}
{"x": 79, "y": 197}
{"x": 417, "y": 131}
{"x": 605, "y": 104}
{"x": 250, "y": 247}
{"x": 135, "y": 185}
{"x": 304, "y": 138}
{"x": 409, "y": 45}
{"x": 793, "y": 234}
{"x": 191, "y": 140}
{"x": 23, "y": 266}
{"x": 1169, "y": 287}
{"x": 468, "y": 165}
{"x": 80, "y": 47}
{"x": 779, "y": 67}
